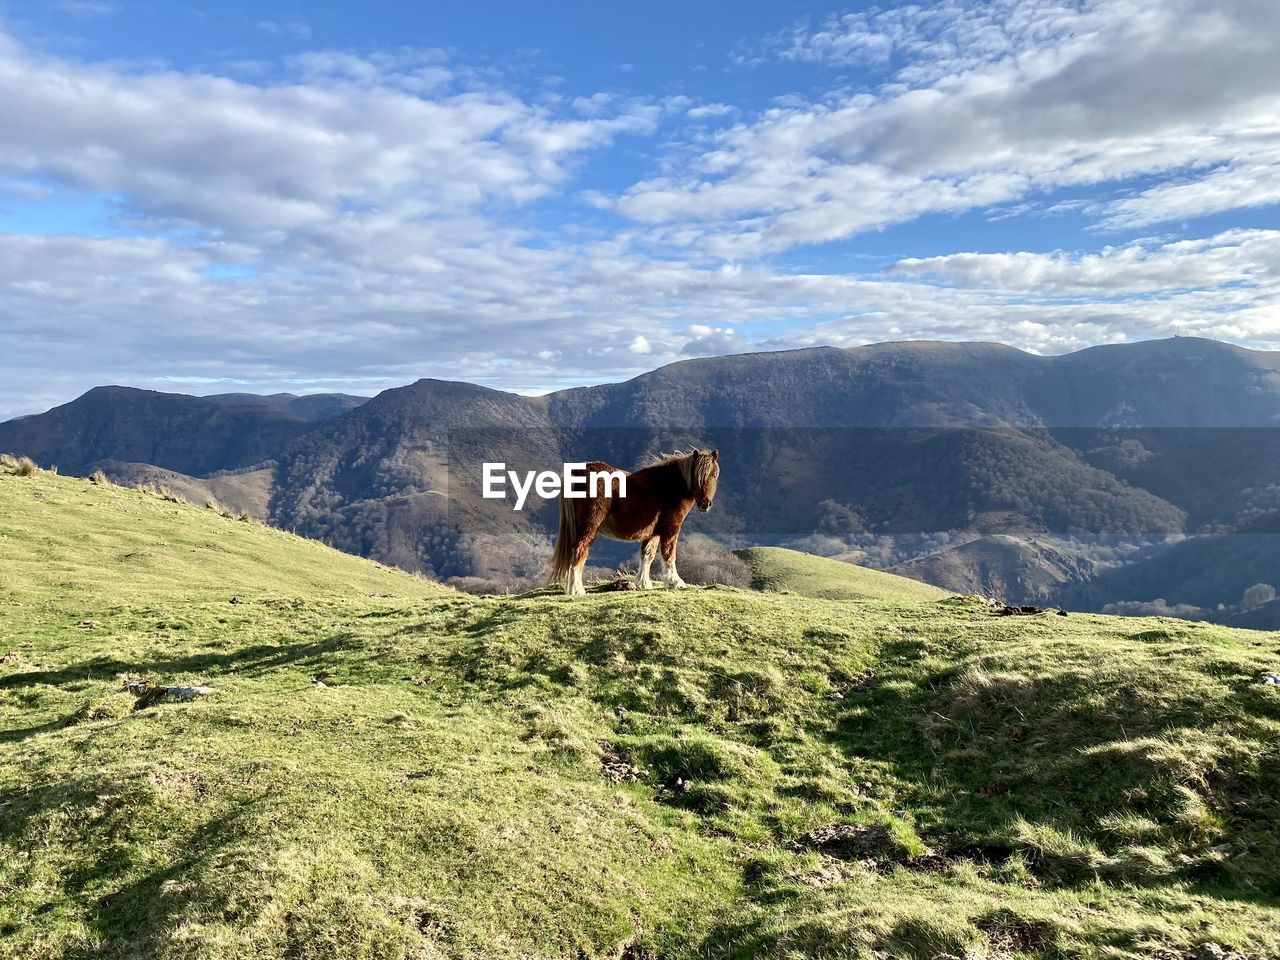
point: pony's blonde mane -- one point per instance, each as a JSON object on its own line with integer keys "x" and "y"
{"x": 695, "y": 466}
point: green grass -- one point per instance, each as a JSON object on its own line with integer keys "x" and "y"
{"x": 790, "y": 571}
{"x": 389, "y": 769}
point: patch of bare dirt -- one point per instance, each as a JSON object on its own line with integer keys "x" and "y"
{"x": 852, "y": 686}
{"x": 615, "y": 767}
{"x": 1008, "y": 933}
{"x": 869, "y": 844}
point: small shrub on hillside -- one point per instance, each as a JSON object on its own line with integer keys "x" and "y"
{"x": 163, "y": 492}
{"x": 703, "y": 561}
{"x": 18, "y": 466}
{"x": 100, "y": 479}
{"x": 517, "y": 562}
{"x": 1257, "y": 595}
{"x": 213, "y": 503}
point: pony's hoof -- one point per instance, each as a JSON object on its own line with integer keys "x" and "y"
{"x": 676, "y": 585}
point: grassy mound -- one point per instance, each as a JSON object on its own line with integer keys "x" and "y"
{"x": 779, "y": 569}
{"x": 385, "y": 769}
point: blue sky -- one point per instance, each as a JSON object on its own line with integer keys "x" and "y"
{"x": 316, "y": 196}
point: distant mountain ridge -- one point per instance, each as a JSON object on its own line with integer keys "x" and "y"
{"x": 971, "y": 440}
{"x": 193, "y": 435}
{"x": 312, "y": 407}
{"x": 929, "y": 383}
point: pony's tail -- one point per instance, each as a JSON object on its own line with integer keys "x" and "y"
{"x": 566, "y": 540}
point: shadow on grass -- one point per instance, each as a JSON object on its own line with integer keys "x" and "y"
{"x": 834, "y": 933}
{"x": 129, "y": 914}
{"x": 991, "y": 753}
{"x": 245, "y": 661}
{"x": 15, "y": 736}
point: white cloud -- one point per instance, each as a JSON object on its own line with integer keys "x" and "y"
{"x": 930, "y": 41}
{"x": 235, "y": 156}
{"x": 992, "y": 103}
{"x": 1243, "y": 256}
{"x": 707, "y": 341}
{"x": 708, "y": 110}
{"x": 640, "y": 345}
{"x": 1251, "y": 179}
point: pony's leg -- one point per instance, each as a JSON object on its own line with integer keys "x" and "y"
{"x": 670, "y": 575}
{"x": 582, "y": 548}
{"x": 574, "y": 587}
{"x": 648, "y": 550}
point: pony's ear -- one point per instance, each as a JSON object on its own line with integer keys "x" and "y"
{"x": 715, "y": 455}
{"x": 697, "y": 452}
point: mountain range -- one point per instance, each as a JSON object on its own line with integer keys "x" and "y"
{"x": 1139, "y": 474}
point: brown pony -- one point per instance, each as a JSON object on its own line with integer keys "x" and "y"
{"x": 658, "y": 498}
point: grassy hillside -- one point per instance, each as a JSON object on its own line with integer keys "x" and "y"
{"x": 385, "y": 769}
{"x": 71, "y": 544}
{"x": 779, "y": 569}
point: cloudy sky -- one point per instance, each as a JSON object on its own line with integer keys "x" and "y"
{"x": 323, "y": 196}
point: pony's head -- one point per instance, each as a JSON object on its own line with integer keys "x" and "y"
{"x": 703, "y": 474}
{"x": 700, "y": 469}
